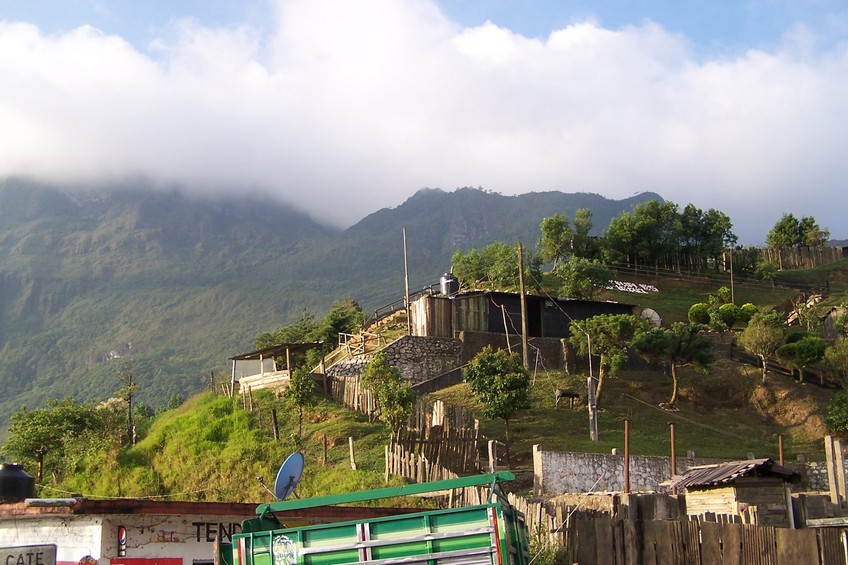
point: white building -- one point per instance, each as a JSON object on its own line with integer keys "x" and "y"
{"x": 141, "y": 532}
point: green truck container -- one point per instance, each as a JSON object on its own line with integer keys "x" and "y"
{"x": 493, "y": 533}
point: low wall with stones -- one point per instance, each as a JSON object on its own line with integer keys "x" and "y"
{"x": 418, "y": 359}
{"x": 422, "y": 358}
{"x": 560, "y": 472}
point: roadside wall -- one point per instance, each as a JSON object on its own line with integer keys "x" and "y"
{"x": 557, "y": 472}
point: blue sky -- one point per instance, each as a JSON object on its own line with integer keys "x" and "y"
{"x": 738, "y": 106}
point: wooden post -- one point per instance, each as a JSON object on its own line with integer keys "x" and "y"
{"x": 406, "y": 284}
{"x": 626, "y": 456}
{"x": 524, "y": 345}
{"x": 831, "y": 470}
{"x": 506, "y": 329}
{"x": 324, "y": 453}
{"x": 493, "y": 455}
{"x": 274, "y": 424}
{"x": 839, "y": 461}
{"x": 352, "y": 458}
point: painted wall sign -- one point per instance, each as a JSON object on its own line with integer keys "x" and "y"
{"x": 28, "y": 555}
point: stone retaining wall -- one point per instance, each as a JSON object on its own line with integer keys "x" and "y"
{"x": 417, "y": 358}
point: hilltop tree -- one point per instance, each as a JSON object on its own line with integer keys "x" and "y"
{"x": 762, "y": 336}
{"x": 584, "y": 278}
{"x": 800, "y": 354}
{"x": 496, "y": 264}
{"x": 501, "y": 384}
{"x": 679, "y": 346}
{"x": 393, "y": 393}
{"x": 607, "y": 336}
{"x": 556, "y": 243}
{"x": 583, "y": 245}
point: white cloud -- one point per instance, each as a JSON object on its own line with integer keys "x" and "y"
{"x": 349, "y": 107}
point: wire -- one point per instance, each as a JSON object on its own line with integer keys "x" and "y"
{"x": 97, "y": 496}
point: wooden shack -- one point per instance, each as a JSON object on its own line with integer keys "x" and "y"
{"x": 439, "y": 315}
{"x": 269, "y": 367}
{"x": 756, "y": 490}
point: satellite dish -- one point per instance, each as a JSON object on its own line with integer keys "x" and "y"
{"x": 288, "y": 476}
{"x": 651, "y": 316}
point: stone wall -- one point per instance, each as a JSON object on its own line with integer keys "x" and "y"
{"x": 422, "y": 358}
{"x": 418, "y": 359}
{"x": 559, "y": 472}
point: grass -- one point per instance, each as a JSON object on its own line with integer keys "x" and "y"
{"x": 716, "y": 416}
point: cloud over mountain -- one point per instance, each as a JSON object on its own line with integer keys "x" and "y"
{"x": 343, "y": 108}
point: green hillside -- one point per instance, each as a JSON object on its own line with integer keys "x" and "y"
{"x": 91, "y": 280}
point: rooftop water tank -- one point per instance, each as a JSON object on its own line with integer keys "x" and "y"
{"x": 15, "y": 483}
{"x": 449, "y": 285}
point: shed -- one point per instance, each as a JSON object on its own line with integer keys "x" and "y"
{"x": 434, "y": 315}
{"x": 758, "y": 488}
{"x": 261, "y": 369}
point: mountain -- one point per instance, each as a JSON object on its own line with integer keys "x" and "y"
{"x": 177, "y": 285}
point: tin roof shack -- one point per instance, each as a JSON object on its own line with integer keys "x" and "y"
{"x": 261, "y": 368}
{"x": 143, "y": 532}
{"x": 497, "y": 312}
{"x": 754, "y": 488}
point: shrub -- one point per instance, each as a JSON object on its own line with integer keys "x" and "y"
{"x": 699, "y": 313}
{"x": 837, "y": 414}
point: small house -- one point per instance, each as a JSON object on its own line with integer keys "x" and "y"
{"x": 757, "y": 489}
{"x": 269, "y": 367}
{"x": 489, "y": 311}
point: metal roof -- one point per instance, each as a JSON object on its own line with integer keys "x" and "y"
{"x": 724, "y": 473}
{"x": 277, "y": 350}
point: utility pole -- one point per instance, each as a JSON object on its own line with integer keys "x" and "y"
{"x": 524, "y": 346}
{"x": 594, "y": 432}
{"x": 406, "y": 283}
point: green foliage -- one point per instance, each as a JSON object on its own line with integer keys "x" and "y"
{"x": 393, "y": 393}
{"x": 746, "y": 312}
{"x": 836, "y": 418}
{"x": 583, "y": 278}
{"x": 301, "y": 393}
{"x": 345, "y": 316}
{"x": 556, "y": 241}
{"x": 608, "y": 336}
{"x": 500, "y": 383}
{"x": 42, "y": 435}
{"x": 655, "y": 232}
{"x": 680, "y": 345}
{"x": 800, "y": 354}
{"x": 836, "y": 358}
{"x": 729, "y": 314}
{"x": 789, "y": 231}
{"x": 699, "y": 313}
{"x": 762, "y": 336}
{"x": 496, "y": 265}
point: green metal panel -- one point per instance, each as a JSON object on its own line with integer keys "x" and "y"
{"x": 389, "y": 492}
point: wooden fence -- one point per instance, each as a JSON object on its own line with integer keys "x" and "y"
{"x": 606, "y": 540}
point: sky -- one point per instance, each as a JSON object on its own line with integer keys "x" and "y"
{"x": 343, "y": 107}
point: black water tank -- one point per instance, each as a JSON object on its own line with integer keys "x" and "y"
{"x": 15, "y": 483}
{"x": 449, "y": 284}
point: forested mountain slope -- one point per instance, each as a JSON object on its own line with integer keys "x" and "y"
{"x": 90, "y": 280}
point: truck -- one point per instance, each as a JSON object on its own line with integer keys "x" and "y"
{"x": 492, "y": 533}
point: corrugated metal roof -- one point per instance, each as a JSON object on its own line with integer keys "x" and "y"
{"x": 723, "y": 473}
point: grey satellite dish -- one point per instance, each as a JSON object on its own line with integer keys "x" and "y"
{"x": 288, "y": 476}
{"x": 651, "y": 316}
